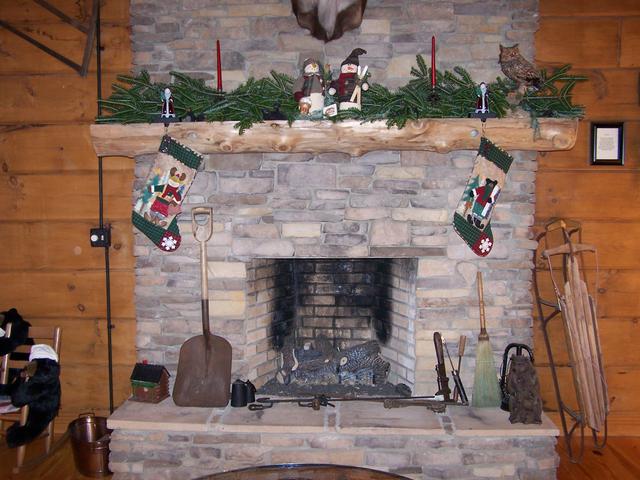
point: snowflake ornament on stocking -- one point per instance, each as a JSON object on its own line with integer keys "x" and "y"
{"x": 485, "y": 245}
{"x": 472, "y": 217}
{"x": 160, "y": 202}
{"x": 169, "y": 242}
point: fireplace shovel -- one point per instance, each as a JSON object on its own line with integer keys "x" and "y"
{"x": 204, "y": 366}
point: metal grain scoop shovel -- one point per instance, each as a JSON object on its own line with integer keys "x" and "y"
{"x": 204, "y": 366}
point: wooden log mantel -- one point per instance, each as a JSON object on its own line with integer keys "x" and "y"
{"x": 352, "y": 137}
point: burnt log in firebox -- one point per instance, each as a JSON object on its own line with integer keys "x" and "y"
{"x": 319, "y": 363}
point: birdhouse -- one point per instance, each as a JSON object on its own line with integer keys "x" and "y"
{"x": 149, "y": 383}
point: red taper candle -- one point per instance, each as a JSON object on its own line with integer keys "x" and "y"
{"x": 433, "y": 61}
{"x": 219, "y": 64}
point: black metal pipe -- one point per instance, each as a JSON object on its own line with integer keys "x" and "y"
{"x": 107, "y": 268}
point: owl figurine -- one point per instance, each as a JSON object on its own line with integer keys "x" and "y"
{"x": 517, "y": 68}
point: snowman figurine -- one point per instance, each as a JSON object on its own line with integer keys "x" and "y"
{"x": 308, "y": 89}
{"x": 350, "y": 83}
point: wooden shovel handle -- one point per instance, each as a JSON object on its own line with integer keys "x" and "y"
{"x": 206, "y": 228}
{"x": 202, "y": 231}
{"x": 483, "y": 320}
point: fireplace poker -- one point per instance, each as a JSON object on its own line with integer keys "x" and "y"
{"x": 435, "y": 403}
{"x": 462, "y": 342}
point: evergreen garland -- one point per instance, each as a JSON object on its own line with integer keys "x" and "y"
{"x": 255, "y": 100}
{"x": 553, "y": 98}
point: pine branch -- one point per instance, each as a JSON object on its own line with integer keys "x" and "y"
{"x": 554, "y": 97}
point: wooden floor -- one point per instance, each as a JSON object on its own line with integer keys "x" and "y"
{"x": 620, "y": 460}
{"x": 59, "y": 466}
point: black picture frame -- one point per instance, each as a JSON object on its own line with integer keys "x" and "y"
{"x": 607, "y": 143}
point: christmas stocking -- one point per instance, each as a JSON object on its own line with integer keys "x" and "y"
{"x": 472, "y": 217}
{"x": 156, "y": 210}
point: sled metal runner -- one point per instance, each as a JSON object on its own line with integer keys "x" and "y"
{"x": 574, "y": 421}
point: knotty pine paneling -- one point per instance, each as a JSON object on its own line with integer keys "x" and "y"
{"x": 588, "y": 42}
{"x": 617, "y": 244}
{"x": 623, "y": 382}
{"x": 588, "y": 8}
{"x": 630, "y": 42}
{"x": 46, "y": 99}
{"x": 69, "y": 196}
{"x": 28, "y": 12}
{"x": 578, "y": 157}
{"x": 617, "y": 349}
{"x": 600, "y": 40}
{"x": 26, "y": 149}
{"x": 610, "y": 94}
{"x": 48, "y": 169}
{"x": 20, "y": 56}
{"x": 70, "y": 294}
{"x": 590, "y": 195}
{"x": 87, "y": 387}
{"x": 619, "y": 290}
{"x": 63, "y": 245}
{"x": 87, "y": 338}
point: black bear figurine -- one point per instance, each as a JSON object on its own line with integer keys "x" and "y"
{"x": 40, "y": 389}
{"x": 19, "y": 331}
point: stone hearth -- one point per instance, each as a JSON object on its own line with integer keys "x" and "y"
{"x": 164, "y": 441}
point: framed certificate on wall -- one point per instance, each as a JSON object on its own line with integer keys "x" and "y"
{"x": 607, "y": 144}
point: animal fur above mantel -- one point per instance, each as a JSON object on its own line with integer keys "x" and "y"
{"x": 328, "y": 19}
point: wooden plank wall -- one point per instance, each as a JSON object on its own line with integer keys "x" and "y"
{"x": 601, "y": 40}
{"x": 48, "y": 169}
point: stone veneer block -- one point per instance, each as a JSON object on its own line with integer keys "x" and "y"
{"x": 495, "y": 422}
{"x": 164, "y": 416}
{"x": 226, "y": 270}
{"x": 279, "y": 419}
{"x": 301, "y": 230}
{"x": 371, "y": 418}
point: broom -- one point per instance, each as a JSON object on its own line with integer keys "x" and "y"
{"x": 486, "y": 391}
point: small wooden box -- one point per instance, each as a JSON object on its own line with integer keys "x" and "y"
{"x": 149, "y": 383}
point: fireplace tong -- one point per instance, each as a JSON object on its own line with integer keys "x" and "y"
{"x": 441, "y": 369}
{"x": 436, "y": 403}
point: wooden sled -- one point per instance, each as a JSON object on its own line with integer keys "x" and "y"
{"x": 577, "y": 309}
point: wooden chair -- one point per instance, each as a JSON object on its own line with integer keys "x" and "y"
{"x": 17, "y": 360}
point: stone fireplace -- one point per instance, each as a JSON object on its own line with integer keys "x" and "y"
{"x": 351, "y": 247}
{"x": 328, "y": 240}
{"x": 276, "y": 211}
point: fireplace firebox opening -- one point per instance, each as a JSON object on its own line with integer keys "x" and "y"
{"x": 339, "y": 325}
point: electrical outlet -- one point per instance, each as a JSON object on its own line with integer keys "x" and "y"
{"x": 100, "y": 237}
